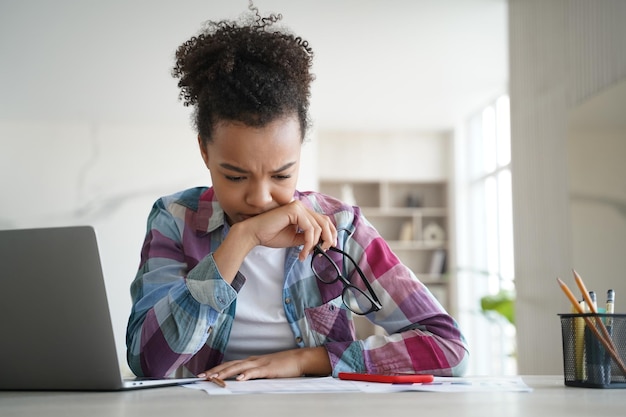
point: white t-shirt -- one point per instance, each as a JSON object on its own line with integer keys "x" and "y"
{"x": 260, "y": 325}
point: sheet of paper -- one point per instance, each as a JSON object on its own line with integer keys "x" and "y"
{"x": 330, "y": 384}
{"x": 450, "y": 384}
{"x": 277, "y": 386}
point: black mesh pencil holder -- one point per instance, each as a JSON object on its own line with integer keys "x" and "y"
{"x": 589, "y": 362}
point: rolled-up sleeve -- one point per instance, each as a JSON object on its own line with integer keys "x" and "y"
{"x": 174, "y": 304}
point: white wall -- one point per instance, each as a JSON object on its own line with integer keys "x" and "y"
{"x": 598, "y": 209}
{"x": 561, "y": 53}
{"x": 384, "y": 155}
{"x": 597, "y": 168}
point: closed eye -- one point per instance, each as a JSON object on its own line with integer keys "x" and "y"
{"x": 282, "y": 177}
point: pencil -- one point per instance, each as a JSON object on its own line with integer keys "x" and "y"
{"x": 592, "y": 327}
{"x": 571, "y": 296}
{"x": 578, "y": 327}
{"x": 217, "y": 381}
{"x": 592, "y": 307}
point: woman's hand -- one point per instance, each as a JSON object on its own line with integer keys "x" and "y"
{"x": 286, "y": 226}
{"x": 292, "y": 225}
{"x": 286, "y": 364}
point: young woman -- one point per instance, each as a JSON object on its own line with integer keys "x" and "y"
{"x": 251, "y": 278}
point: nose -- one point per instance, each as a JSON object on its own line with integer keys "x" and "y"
{"x": 259, "y": 195}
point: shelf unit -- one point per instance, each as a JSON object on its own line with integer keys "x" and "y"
{"x": 413, "y": 218}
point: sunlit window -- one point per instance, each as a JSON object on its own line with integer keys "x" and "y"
{"x": 485, "y": 240}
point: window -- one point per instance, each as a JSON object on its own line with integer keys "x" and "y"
{"x": 485, "y": 237}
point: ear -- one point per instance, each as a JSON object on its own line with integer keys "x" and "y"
{"x": 203, "y": 151}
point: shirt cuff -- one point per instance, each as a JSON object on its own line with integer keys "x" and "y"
{"x": 206, "y": 285}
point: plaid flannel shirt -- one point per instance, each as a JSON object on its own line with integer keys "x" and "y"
{"x": 183, "y": 310}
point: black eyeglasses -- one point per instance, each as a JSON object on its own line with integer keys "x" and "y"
{"x": 326, "y": 270}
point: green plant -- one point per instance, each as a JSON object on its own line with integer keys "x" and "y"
{"x": 502, "y": 303}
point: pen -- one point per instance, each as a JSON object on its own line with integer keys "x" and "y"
{"x": 610, "y": 302}
{"x": 390, "y": 379}
{"x": 605, "y": 338}
{"x": 610, "y": 308}
{"x": 608, "y": 344}
{"x": 592, "y": 305}
{"x": 594, "y": 300}
{"x": 217, "y": 381}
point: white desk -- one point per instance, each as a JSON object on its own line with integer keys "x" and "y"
{"x": 550, "y": 398}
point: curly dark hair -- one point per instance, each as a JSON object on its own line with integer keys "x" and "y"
{"x": 244, "y": 72}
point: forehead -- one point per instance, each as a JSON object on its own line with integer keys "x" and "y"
{"x": 236, "y": 142}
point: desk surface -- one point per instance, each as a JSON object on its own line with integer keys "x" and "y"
{"x": 550, "y": 397}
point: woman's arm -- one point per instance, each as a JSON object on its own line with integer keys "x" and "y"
{"x": 422, "y": 336}
{"x": 172, "y": 310}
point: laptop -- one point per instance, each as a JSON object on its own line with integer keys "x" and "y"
{"x": 55, "y": 326}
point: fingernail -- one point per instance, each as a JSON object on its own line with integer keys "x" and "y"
{"x": 201, "y": 375}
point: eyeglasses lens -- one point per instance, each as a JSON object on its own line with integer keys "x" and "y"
{"x": 356, "y": 300}
{"x": 325, "y": 270}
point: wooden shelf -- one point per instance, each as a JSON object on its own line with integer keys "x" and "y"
{"x": 413, "y": 218}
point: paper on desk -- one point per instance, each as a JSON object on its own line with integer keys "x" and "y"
{"x": 455, "y": 384}
{"x": 330, "y": 385}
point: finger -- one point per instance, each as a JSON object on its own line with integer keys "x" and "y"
{"x": 311, "y": 238}
{"x": 256, "y": 371}
{"x": 329, "y": 234}
{"x": 219, "y": 370}
{"x": 325, "y": 231}
{"x": 308, "y": 234}
{"x": 311, "y": 226}
{"x": 239, "y": 367}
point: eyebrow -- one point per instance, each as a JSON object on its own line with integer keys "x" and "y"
{"x": 231, "y": 167}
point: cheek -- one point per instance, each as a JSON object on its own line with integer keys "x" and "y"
{"x": 226, "y": 195}
{"x": 284, "y": 195}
